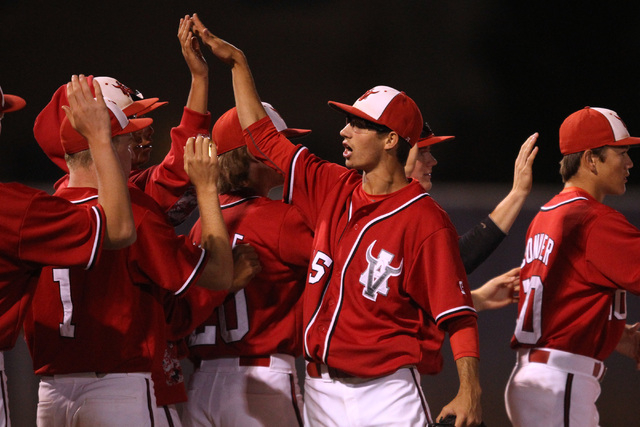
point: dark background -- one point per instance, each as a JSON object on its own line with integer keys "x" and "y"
{"x": 490, "y": 72}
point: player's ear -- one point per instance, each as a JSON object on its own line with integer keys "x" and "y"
{"x": 589, "y": 161}
{"x": 392, "y": 140}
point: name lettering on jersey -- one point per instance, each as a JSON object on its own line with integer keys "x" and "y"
{"x": 539, "y": 247}
{"x": 375, "y": 278}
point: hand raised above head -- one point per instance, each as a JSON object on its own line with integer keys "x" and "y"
{"x": 224, "y": 51}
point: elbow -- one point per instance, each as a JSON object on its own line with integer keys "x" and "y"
{"x": 121, "y": 238}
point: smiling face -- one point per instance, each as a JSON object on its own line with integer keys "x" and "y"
{"x": 424, "y": 167}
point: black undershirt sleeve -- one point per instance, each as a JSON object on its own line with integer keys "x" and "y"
{"x": 478, "y": 243}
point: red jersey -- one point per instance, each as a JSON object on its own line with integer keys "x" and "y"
{"x": 580, "y": 259}
{"x": 380, "y": 266}
{"x": 111, "y": 319}
{"x": 265, "y": 317}
{"x": 37, "y": 230}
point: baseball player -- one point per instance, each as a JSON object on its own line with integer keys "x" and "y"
{"x": 372, "y": 280}
{"x": 98, "y": 334}
{"x": 479, "y": 242}
{"x": 245, "y": 352}
{"x": 167, "y": 182}
{"x": 580, "y": 260}
{"x": 38, "y": 229}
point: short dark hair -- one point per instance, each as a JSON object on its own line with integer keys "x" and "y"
{"x": 570, "y": 163}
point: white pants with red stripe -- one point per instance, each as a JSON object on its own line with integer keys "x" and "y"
{"x": 5, "y": 421}
{"x": 394, "y": 400}
{"x": 560, "y": 392}
{"x": 230, "y": 392}
{"x": 87, "y": 399}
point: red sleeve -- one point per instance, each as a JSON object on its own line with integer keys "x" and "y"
{"x": 612, "y": 252}
{"x": 463, "y": 336}
{"x": 168, "y": 181}
{"x": 185, "y": 313}
{"x": 308, "y": 178}
{"x": 156, "y": 243}
{"x": 438, "y": 281}
{"x": 56, "y": 232}
{"x": 295, "y": 251}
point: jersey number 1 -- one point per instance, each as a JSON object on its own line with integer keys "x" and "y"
{"x": 61, "y": 276}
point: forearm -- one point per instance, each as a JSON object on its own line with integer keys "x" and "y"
{"x": 248, "y": 104}
{"x": 469, "y": 376}
{"x": 113, "y": 196}
{"x": 199, "y": 94}
{"x": 506, "y": 212}
{"x": 218, "y": 274}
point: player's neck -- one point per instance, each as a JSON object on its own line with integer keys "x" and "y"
{"x": 383, "y": 181}
{"x": 83, "y": 177}
{"x": 587, "y": 185}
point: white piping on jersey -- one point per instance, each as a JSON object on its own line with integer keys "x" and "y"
{"x": 86, "y": 199}
{"x": 342, "y": 274}
{"x": 455, "y": 310}
{"x": 238, "y": 202}
{"x": 193, "y": 273}
{"x": 96, "y": 241}
{"x": 548, "y": 208}
{"x": 291, "y": 175}
{"x": 99, "y": 221}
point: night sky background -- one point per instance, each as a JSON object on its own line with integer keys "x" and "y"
{"x": 491, "y": 73}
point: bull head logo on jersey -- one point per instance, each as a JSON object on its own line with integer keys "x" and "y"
{"x": 375, "y": 278}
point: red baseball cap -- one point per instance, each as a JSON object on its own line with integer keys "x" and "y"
{"x": 9, "y": 103}
{"x": 46, "y": 128}
{"x": 592, "y": 128}
{"x": 73, "y": 142}
{"x": 228, "y": 134}
{"x": 130, "y": 101}
{"x": 427, "y": 137}
{"x": 389, "y": 107}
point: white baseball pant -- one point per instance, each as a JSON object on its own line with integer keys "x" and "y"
{"x": 553, "y": 388}
{"x": 90, "y": 399}
{"x": 333, "y": 399}
{"x": 244, "y": 392}
{"x": 5, "y": 420}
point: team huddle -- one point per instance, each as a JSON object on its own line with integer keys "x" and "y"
{"x": 357, "y": 268}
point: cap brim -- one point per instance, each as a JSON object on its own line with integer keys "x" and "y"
{"x": 351, "y": 110}
{"x": 152, "y": 107}
{"x": 12, "y": 103}
{"x": 295, "y": 133}
{"x": 135, "y": 125}
{"x": 431, "y": 140}
{"x": 138, "y": 107}
{"x": 632, "y": 140}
